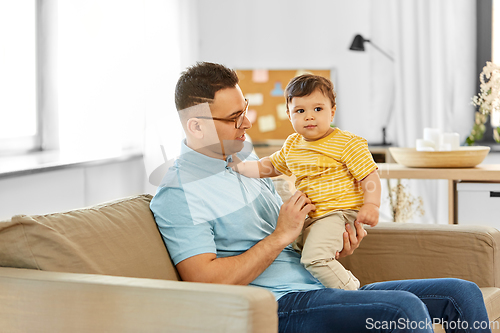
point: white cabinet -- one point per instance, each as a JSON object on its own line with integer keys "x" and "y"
{"x": 42, "y": 193}
{"x": 115, "y": 180}
{"x": 70, "y": 187}
{"x": 478, "y": 203}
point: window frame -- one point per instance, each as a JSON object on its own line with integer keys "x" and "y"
{"x": 484, "y": 31}
{"x": 31, "y": 143}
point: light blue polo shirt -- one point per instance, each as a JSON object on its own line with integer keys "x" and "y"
{"x": 203, "y": 206}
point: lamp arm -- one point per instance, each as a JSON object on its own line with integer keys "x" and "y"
{"x": 378, "y": 48}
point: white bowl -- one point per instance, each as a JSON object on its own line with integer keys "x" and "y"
{"x": 465, "y": 157}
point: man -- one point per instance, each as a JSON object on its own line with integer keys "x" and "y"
{"x": 221, "y": 227}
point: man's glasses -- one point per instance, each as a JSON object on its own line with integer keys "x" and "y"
{"x": 238, "y": 119}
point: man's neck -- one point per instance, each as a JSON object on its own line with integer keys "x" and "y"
{"x": 210, "y": 151}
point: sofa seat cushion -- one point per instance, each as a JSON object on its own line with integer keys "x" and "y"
{"x": 491, "y": 297}
{"x": 116, "y": 238}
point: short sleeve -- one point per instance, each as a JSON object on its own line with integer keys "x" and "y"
{"x": 181, "y": 235}
{"x": 358, "y": 158}
{"x": 278, "y": 159}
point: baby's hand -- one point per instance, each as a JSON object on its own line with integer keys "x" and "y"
{"x": 368, "y": 214}
{"x": 232, "y": 165}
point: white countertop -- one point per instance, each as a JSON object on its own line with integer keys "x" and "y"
{"x": 52, "y": 160}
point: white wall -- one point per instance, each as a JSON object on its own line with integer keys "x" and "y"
{"x": 70, "y": 188}
{"x": 295, "y": 34}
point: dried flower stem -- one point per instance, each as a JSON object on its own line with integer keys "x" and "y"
{"x": 404, "y": 205}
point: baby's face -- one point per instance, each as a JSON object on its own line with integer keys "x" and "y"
{"x": 311, "y": 115}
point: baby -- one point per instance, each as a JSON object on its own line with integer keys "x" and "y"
{"x": 333, "y": 167}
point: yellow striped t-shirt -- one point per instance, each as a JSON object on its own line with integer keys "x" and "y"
{"x": 328, "y": 170}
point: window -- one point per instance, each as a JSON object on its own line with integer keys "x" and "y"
{"x": 79, "y": 76}
{"x": 495, "y": 32}
{"x": 495, "y": 48}
{"x": 19, "y": 130}
{"x": 100, "y": 82}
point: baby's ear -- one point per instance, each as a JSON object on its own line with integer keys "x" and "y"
{"x": 333, "y": 110}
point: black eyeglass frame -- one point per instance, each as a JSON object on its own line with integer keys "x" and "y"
{"x": 240, "y": 118}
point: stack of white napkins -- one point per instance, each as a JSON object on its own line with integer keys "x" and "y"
{"x": 434, "y": 140}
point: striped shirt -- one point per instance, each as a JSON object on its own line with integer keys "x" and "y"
{"x": 328, "y": 170}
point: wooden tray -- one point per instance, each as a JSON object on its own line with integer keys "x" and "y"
{"x": 465, "y": 157}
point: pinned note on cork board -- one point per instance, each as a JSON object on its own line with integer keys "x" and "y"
{"x": 264, "y": 89}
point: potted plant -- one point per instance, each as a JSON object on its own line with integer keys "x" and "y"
{"x": 488, "y": 103}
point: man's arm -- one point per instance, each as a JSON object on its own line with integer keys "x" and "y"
{"x": 244, "y": 268}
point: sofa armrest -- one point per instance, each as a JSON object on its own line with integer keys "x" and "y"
{"x": 36, "y": 301}
{"x": 396, "y": 251}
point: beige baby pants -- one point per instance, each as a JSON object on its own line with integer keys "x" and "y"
{"x": 319, "y": 242}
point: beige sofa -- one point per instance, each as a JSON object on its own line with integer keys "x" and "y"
{"x": 106, "y": 269}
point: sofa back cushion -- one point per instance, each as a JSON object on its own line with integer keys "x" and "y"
{"x": 115, "y": 238}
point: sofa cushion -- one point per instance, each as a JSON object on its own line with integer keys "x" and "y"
{"x": 115, "y": 238}
{"x": 491, "y": 297}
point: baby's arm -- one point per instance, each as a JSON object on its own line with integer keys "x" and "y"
{"x": 368, "y": 214}
{"x": 262, "y": 168}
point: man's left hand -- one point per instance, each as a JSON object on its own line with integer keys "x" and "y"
{"x": 352, "y": 239}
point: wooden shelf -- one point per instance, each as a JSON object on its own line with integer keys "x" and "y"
{"x": 480, "y": 173}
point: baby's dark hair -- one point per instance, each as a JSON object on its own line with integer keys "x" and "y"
{"x": 199, "y": 83}
{"x": 306, "y": 84}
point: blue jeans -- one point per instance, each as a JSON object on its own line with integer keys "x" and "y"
{"x": 394, "y": 306}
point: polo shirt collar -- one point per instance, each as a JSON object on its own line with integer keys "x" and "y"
{"x": 202, "y": 161}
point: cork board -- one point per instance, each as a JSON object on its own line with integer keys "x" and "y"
{"x": 267, "y": 108}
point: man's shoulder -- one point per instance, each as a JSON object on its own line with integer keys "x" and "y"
{"x": 169, "y": 189}
{"x": 171, "y": 178}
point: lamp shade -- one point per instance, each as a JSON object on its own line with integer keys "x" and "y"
{"x": 358, "y": 43}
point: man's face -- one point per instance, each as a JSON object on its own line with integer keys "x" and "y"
{"x": 228, "y": 104}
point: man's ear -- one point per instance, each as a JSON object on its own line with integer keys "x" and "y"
{"x": 194, "y": 128}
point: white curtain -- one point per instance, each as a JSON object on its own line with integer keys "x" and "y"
{"x": 100, "y": 75}
{"x": 431, "y": 81}
{"x": 171, "y": 45}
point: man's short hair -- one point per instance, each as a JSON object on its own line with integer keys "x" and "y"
{"x": 306, "y": 84}
{"x": 199, "y": 83}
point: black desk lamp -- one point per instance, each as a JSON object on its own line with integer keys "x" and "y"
{"x": 358, "y": 44}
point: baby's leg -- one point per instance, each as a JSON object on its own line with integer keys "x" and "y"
{"x": 322, "y": 239}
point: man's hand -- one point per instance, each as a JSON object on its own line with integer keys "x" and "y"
{"x": 292, "y": 216}
{"x": 368, "y": 214}
{"x": 352, "y": 239}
